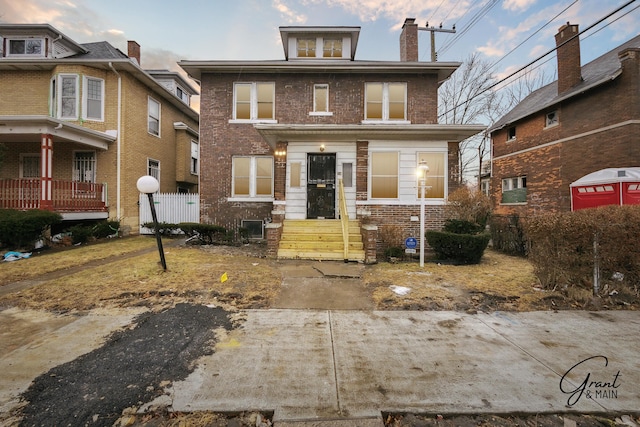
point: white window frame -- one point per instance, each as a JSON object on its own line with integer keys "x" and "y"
{"x": 307, "y": 49}
{"x": 85, "y": 99}
{"x": 331, "y": 49}
{"x": 513, "y": 183}
{"x": 315, "y": 112}
{"x": 370, "y": 175}
{"x": 26, "y": 40}
{"x": 251, "y": 197}
{"x": 92, "y": 162}
{"x": 152, "y": 170}
{"x": 195, "y": 157}
{"x": 432, "y": 174}
{"x": 385, "y": 103}
{"x": 253, "y": 101}
{"x": 58, "y": 94}
{"x": 149, "y": 116}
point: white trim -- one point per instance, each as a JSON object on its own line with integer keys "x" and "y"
{"x": 253, "y": 169}
{"x": 149, "y": 99}
{"x": 253, "y": 103}
{"x": 385, "y": 101}
{"x": 560, "y": 141}
{"x": 250, "y": 199}
{"x": 326, "y": 111}
{"x": 25, "y": 39}
{"x": 370, "y": 174}
{"x": 394, "y": 202}
{"x": 149, "y": 159}
{"x": 59, "y": 86}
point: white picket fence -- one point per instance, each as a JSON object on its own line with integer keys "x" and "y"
{"x": 173, "y": 208}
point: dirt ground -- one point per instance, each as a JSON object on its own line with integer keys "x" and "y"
{"x": 126, "y": 273}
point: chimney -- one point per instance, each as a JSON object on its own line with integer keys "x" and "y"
{"x": 133, "y": 50}
{"x": 409, "y": 41}
{"x": 568, "y": 57}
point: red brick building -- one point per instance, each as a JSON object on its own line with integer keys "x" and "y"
{"x": 587, "y": 120}
{"x": 279, "y": 138}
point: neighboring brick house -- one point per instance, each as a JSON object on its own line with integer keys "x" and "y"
{"x": 586, "y": 121}
{"x": 278, "y": 137}
{"x": 82, "y": 122}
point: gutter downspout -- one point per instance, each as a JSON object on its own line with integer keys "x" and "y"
{"x": 119, "y": 147}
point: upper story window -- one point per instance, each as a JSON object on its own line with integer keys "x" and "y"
{"x": 321, "y": 100}
{"x": 386, "y": 101}
{"x": 306, "y": 48}
{"x": 332, "y": 48}
{"x": 384, "y": 175}
{"x": 195, "y": 157}
{"x": 511, "y": 133}
{"x": 254, "y": 101}
{"x": 514, "y": 189}
{"x": 252, "y": 176}
{"x": 551, "y": 118}
{"x": 153, "y": 117}
{"x": 31, "y": 47}
{"x": 436, "y": 176}
{"x": 67, "y": 102}
{"x": 93, "y": 99}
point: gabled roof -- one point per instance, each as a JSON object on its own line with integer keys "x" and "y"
{"x": 101, "y": 50}
{"x": 31, "y": 29}
{"x": 597, "y": 72}
{"x": 173, "y": 75}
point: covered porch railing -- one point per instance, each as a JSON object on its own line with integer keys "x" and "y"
{"x": 66, "y": 196}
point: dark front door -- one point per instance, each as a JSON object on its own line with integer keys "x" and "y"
{"x": 321, "y": 186}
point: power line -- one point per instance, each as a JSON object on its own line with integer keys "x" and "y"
{"x": 539, "y": 58}
{"x": 474, "y": 20}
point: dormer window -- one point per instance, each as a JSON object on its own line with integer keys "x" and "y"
{"x": 332, "y": 48}
{"x": 307, "y": 48}
{"x": 26, "y": 47}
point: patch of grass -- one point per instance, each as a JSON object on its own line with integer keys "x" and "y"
{"x": 53, "y": 260}
{"x": 192, "y": 275}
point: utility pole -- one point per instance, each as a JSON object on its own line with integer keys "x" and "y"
{"x": 434, "y": 30}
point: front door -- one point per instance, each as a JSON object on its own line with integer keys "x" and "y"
{"x": 321, "y": 186}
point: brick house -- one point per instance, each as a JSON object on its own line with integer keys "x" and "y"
{"x": 82, "y": 122}
{"x": 586, "y": 121}
{"x": 282, "y": 140}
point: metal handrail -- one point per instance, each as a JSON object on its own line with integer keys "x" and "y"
{"x": 344, "y": 219}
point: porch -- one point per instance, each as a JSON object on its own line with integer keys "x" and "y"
{"x": 66, "y": 196}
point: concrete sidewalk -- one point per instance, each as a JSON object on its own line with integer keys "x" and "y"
{"x": 310, "y": 365}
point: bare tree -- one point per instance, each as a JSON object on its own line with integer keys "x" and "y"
{"x": 467, "y": 97}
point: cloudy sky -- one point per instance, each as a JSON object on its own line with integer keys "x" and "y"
{"x": 509, "y": 33}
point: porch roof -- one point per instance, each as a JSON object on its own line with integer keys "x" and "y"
{"x": 274, "y": 133}
{"x": 30, "y": 129}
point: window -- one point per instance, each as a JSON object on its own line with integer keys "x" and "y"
{"x": 485, "y": 187}
{"x": 435, "y": 182}
{"x": 93, "y": 99}
{"x": 252, "y": 177}
{"x": 255, "y": 228}
{"x": 347, "y": 175}
{"x": 84, "y": 166}
{"x": 194, "y": 157}
{"x": 551, "y": 119}
{"x": 254, "y": 101}
{"x": 153, "y": 168}
{"x": 68, "y": 101}
{"x": 332, "y": 48}
{"x": 511, "y": 133}
{"x": 306, "y": 48}
{"x": 294, "y": 178}
{"x": 26, "y": 47}
{"x": 384, "y": 175}
{"x": 154, "y": 117}
{"x": 321, "y": 98}
{"x": 385, "y": 101}
{"x": 514, "y": 190}
{"x": 30, "y": 166}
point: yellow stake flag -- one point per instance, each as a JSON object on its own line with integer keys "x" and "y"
{"x": 224, "y": 278}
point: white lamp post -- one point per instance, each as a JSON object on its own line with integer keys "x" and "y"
{"x": 149, "y": 185}
{"x": 423, "y": 169}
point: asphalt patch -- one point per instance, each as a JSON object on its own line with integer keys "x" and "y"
{"x": 127, "y": 370}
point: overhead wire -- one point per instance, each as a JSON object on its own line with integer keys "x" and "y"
{"x": 474, "y": 20}
{"x": 504, "y": 79}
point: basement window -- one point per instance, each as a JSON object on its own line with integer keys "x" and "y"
{"x": 255, "y": 228}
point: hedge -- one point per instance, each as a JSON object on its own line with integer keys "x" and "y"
{"x": 462, "y": 248}
{"x": 21, "y": 229}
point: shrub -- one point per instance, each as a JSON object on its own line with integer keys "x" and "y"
{"x": 394, "y": 252}
{"x": 562, "y": 246}
{"x": 459, "y": 226}
{"x": 105, "y": 229}
{"x": 80, "y": 233}
{"x": 469, "y": 205}
{"x": 21, "y": 229}
{"x": 462, "y": 248}
{"x": 507, "y": 235}
{"x": 164, "y": 228}
{"x": 208, "y": 234}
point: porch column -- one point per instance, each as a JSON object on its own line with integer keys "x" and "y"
{"x": 46, "y": 173}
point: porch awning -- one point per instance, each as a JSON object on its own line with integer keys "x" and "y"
{"x": 274, "y": 133}
{"x": 30, "y": 128}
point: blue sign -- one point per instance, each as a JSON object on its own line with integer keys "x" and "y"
{"x": 410, "y": 242}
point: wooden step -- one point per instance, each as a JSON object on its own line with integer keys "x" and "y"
{"x": 319, "y": 239}
{"x": 320, "y": 255}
